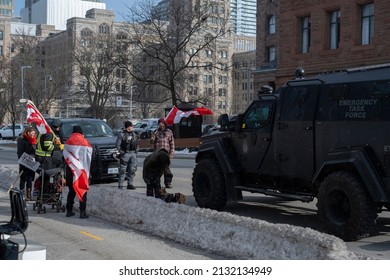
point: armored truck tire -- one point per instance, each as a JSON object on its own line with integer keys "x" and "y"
{"x": 208, "y": 185}
{"x": 345, "y": 207}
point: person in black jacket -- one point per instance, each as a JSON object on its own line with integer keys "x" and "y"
{"x": 26, "y": 143}
{"x": 153, "y": 169}
{"x": 127, "y": 145}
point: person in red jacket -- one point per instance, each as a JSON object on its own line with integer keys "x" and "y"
{"x": 26, "y": 143}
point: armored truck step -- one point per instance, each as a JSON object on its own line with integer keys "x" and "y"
{"x": 303, "y": 198}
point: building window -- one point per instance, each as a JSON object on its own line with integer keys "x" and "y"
{"x": 334, "y": 30}
{"x": 192, "y": 90}
{"x": 221, "y": 105}
{"x": 305, "y": 34}
{"x": 1, "y": 51}
{"x": 222, "y": 79}
{"x": 207, "y": 79}
{"x": 121, "y": 36}
{"x": 121, "y": 73}
{"x": 208, "y": 66}
{"x": 209, "y": 53}
{"x": 222, "y": 92}
{"x": 120, "y": 87}
{"x": 271, "y": 53}
{"x": 367, "y": 27}
{"x": 82, "y": 85}
{"x": 223, "y": 54}
{"x": 208, "y": 91}
{"x": 1, "y": 35}
{"x": 104, "y": 29}
{"x": 86, "y": 32}
{"x": 271, "y": 25}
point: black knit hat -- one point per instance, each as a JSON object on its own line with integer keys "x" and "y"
{"x": 77, "y": 129}
{"x": 56, "y": 123}
{"x": 128, "y": 123}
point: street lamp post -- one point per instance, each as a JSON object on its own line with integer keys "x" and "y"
{"x": 131, "y": 102}
{"x": 45, "y": 97}
{"x": 22, "y": 77}
{"x": 22, "y": 100}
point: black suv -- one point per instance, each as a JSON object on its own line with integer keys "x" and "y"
{"x": 327, "y": 138}
{"x": 104, "y": 164}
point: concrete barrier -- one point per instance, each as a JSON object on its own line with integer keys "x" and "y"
{"x": 222, "y": 233}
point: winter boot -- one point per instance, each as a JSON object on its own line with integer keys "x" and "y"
{"x": 28, "y": 194}
{"x": 69, "y": 213}
{"x": 24, "y": 194}
{"x": 83, "y": 214}
{"x": 180, "y": 198}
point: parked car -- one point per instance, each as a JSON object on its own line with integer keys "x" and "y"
{"x": 145, "y": 127}
{"x": 140, "y": 126}
{"x": 7, "y": 131}
{"x": 148, "y": 132}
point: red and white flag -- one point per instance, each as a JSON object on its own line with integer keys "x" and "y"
{"x": 33, "y": 115}
{"x": 175, "y": 115}
{"x": 78, "y": 155}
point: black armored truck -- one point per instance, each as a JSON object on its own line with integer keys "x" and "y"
{"x": 324, "y": 138}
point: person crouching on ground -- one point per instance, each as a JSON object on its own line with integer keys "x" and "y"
{"x": 162, "y": 137}
{"x": 153, "y": 169}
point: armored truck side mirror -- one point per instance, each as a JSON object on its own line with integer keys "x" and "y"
{"x": 238, "y": 123}
{"x": 223, "y": 122}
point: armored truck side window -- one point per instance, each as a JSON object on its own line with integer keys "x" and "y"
{"x": 299, "y": 103}
{"x": 257, "y": 116}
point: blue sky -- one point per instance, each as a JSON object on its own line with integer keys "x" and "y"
{"x": 118, "y": 6}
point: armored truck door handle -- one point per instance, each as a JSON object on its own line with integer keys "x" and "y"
{"x": 282, "y": 126}
{"x": 308, "y": 128}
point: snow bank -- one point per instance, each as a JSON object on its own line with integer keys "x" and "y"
{"x": 217, "y": 232}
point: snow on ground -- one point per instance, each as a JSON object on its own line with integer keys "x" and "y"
{"x": 217, "y": 232}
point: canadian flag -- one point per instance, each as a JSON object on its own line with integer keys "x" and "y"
{"x": 78, "y": 155}
{"x": 33, "y": 115}
{"x": 175, "y": 115}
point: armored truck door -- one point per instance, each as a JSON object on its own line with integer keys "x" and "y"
{"x": 253, "y": 141}
{"x": 294, "y": 132}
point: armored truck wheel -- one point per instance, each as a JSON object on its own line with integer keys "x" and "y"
{"x": 208, "y": 185}
{"x": 345, "y": 207}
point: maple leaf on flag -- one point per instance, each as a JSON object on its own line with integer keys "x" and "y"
{"x": 34, "y": 116}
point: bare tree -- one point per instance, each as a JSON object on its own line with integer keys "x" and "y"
{"x": 167, "y": 50}
{"x": 98, "y": 74}
{"x": 4, "y": 87}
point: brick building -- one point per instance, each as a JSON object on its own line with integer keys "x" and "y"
{"x": 320, "y": 36}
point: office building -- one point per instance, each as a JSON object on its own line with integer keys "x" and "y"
{"x": 7, "y": 8}
{"x": 243, "y": 17}
{"x": 57, "y": 12}
{"x": 320, "y": 37}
